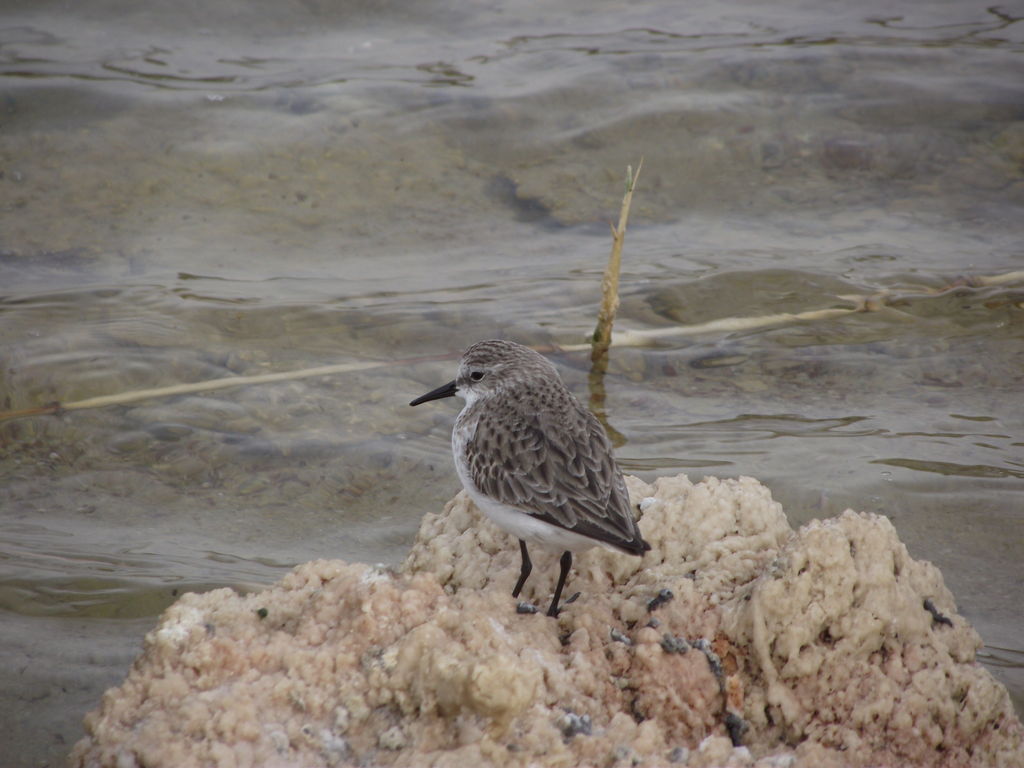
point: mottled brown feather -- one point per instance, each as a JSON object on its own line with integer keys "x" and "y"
{"x": 536, "y": 448}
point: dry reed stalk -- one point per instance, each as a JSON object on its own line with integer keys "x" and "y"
{"x": 610, "y": 282}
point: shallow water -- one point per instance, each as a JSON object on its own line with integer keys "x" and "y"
{"x": 201, "y": 190}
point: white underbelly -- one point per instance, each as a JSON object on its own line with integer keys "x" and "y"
{"x": 530, "y": 529}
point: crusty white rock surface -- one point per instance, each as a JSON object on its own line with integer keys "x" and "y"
{"x": 812, "y": 648}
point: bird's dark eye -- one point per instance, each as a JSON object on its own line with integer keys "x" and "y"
{"x": 476, "y": 375}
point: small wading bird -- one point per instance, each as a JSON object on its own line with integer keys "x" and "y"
{"x": 534, "y": 460}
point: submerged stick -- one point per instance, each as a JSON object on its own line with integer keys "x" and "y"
{"x": 628, "y": 338}
{"x": 647, "y": 336}
{"x": 205, "y": 386}
{"x": 134, "y": 396}
{"x": 610, "y": 282}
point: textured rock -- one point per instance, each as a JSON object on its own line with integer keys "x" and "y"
{"x": 812, "y": 648}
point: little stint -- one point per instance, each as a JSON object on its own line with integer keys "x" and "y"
{"x": 534, "y": 460}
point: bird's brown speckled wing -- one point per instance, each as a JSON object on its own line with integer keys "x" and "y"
{"x": 556, "y": 464}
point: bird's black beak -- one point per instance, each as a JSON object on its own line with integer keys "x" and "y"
{"x": 447, "y": 390}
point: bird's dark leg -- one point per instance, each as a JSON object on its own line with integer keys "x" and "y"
{"x": 566, "y": 563}
{"x": 524, "y": 572}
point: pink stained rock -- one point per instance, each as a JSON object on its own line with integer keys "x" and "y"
{"x": 811, "y": 648}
